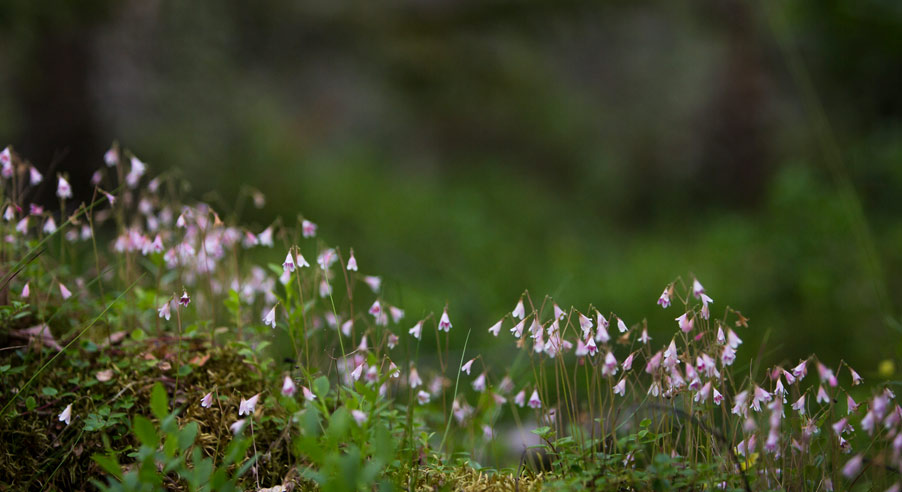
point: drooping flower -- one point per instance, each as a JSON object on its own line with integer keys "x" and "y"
{"x": 685, "y": 322}
{"x": 26, "y": 291}
{"x": 134, "y": 175}
{"x": 534, "y": 401}
{"x": 850, "y": 403}
{"x": 822, "y": 396}
{"x": 423, "y": 397}
{"x": 856, "y": 378}
{"x": 581, "y": 350}
{"x": 417, "y": 330}
{"x": 718, "y": 398}
{"x": 702, "y": 395}
{"x": 207, "y": 400}
{"x": 621, "y": 325}
{"x": 609, "y": 368}
{"x": 376, "y": 308}
{"x": 628, "y": 363}
{"x": 7, "y": 161}
{"x": 591, "y": 348}
{"x": 799, "y": 405}
{"x": 466, "y": 367}
{"x": 664, "y": 300}
{"x": 164, "y": 311}
{"x": 826, "y": 375}
{"x": 760, "y": 396}
{"x": 63, "y": 189}
{"x": 111, "y": 157}
{"x": 601, "y": 332}
{"x": 496, "y": 328}
{"x": 800, "y": 370}
{"x": 357, "y": 372}
{"x": 34, "y": 176}
{"x": 270, "y": 318}
{"x": 479, "y": 383}
{"x": 246, "y": 407}
{"x": 374, "y": 282}
{"x": 185, "y": 299}
{"x": 644, "y": 338}
{"x": 238, "y": 426}
{"x": 620, "y": 388}
{"x": 288, "y": 387}
{"x": 66, "y": 415}
{"x": 308, "y": 229}
{"x": 520, "y": 399}
{"x": 585, "y": 324}
{"x": 352, "y": 262}
{"x": 517, "y": 330}
{"x": 705, "y": 313}
{"x": 265, "y": 237}
{"x": 519, "y": 311}
{"x": 697, "y": 289}
{"x": 288, "y": 265}
{"x": 444, "y": 323}
{"x": 64, "y": 292}
{"x": 852, "y": 467}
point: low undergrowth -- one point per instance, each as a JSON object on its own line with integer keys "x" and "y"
{"x": 152, "y": 344}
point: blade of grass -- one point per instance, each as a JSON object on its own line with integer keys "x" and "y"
{"x": 456, "y": 383}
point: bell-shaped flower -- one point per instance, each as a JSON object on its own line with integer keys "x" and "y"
{"x": 423, "y": 397}
{"x": 519, "y": 311}
{"x": 799, "y": 405}
{"x": 496, "y": 328}
{"x": 851, "y": 405}
{"x": 628, "y": 363}
{"x": 621, "y": 326}
{"x": 165, "y": 311}
{"x": 397, "y": 314}
{"x": 534, "y": 401}
{"x": 352, "y": 262}
{"x": 685, "y": 322}
{"x": 265, "y": 237}
{"x": 644, "y": 338}
{"x": 822, "y": 396}
{"x": 520, "y": 399}
{"x": 760, "y": 396}
{"x": 6, "y": 159}
{"x": 207, "y": 400}
{"x": 702, "y": 395}
{"x": 308, "y": 229}
{"x": 414, "y": 379}
{"x": 26, "y": 291}
{"x": 63, "y": 189}
{"x": 705, "y": 313}
{"x": 479, "y": 383}
{"x": 466, "y": 367}
{"x": 581, "y": 350}
{"x": 444, "y": 323}
{"x": 718, "y": 398}
{"x": 852, "y": 467}
{"x": 664, "y": 299}
{"x": 800, "y": 370}
{"x": 697, "y": 289}
{"x": 585, "y": 324}
{"x": 34, "y": 176}
{"x": 591, "y": 348}
{"x": 288, "y": 387}
{"x": 856, "y": 378}
{"x": 620, "y": 387}
{"x": 417, "y": 330}
{"x": 64, "y": 292}
{"x": 609, "y": 368}
{"x": 270, "y": 318}
{"x": 66, "y": 415}
{"x": 238, "y": 426}
{"x": 376, "y": 308}
{"x": 288, "y": 265}
{"x": 246, "y": 407}
{"x": 185, "y": 299}
{"x": 601, "y": 333}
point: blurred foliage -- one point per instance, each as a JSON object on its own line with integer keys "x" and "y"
{"x": 591, "y": 151}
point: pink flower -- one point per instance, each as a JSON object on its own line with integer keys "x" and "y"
{"x": 308, "y": 395}
{"x": 705, "y": 313}
{"x": 520, "y": 399}
{"x": 609, "y": 368}
{"x": 417, "y": 330}
{"x": 517, "y": 330}
{"x": 620, "y": 388}
{"x": 352, "y": 262}
{"x": 207, "y": 400}
{"x": 359, "y": 416}
{"x": 654, "y": 363}
{"x": 265, "y": 237}
{"x": 664, "y": 300}
{"x": 397, "y": 314}
{"x": 185, "y": 299}
{"x": 644, "y": 338}
{"x": 270, "y": 318}
{"x": 308, "y": 229}
{"x": 423, "y": 397}
{"x": 392, "y": 340}
{"x": 760, "y": 396}
{"x": 496, "y": 328}
{"x": 65, "y": 292}
{"x": 718, "y": 398}
{"x": 697, "y": 289}
{"x": 63, "y": 189}
{"x": 702, "y": 395}
{"x": 826, "y": 375}
{"x": 479, "y": 383}
{"x": 685, "y": 322}
{"x": 34, "y": 176}
{"x": 591, "y": 348}
{"x": 601, "y": 333}
{"x": 357, "y": 372}
{"x": 519, "y": 311}
{"x": 247, "y": 406}
{"x": 66, "y": 415}
{"x": 822, "y": 396}
{"x": 238, "y": 426}
{"x": 534, "y": 401}
{"x": 444, "y": 323}
{"x": 856, "y": 379}
{"x": 728, "y": 356}
{"x": 134, "y": 175}
{"x": 800, "y": 370}
{"x": 288, "y": 387}
{"x": 466, "y": 367}
{"x": 852, "y": 467}
{"x": 581, "y": 350}
{"x": 164, "y": 311}
{"x": 288, "y": 265}
{"x": 26, "y": 291}
{"x": 585, "y": 324}
{"x": 111, "y": 157}
{"x": 621, "y": 325}
{"x": 7, "y": 161}
{"x": 376, "y": 308}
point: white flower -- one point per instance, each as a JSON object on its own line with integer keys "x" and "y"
{"x": 111, "y": 157}
{"x": 423, "y": 397}
{"x": 65, "y": 292}
{"x": 417, "y": 330}
{"x": 164, "y": 311}
{"x": 265, "y": 237}
{"x": 466, "y": 367}
{"x": 35, "y": 176}
{"x": 519, "y": 311}
{"x": 66, "y": 415}
{"x": 444, "y": 323}
{"x": 620, "y": 388}
{"x": 270, "y": 318}
{"x": 359, "y": 416}
{"x": 308, "y": 395}
{"x": 534, "y": 401}
{"x": 697, "y": 289}
{"x": 238, "y": 426}
{"x": 288, "y": 387}
{"x": 207, "y": 400}
{"x": 479, "y": 383}
{"x": 247, "y": 406}
{"x": 496, "y": 328}
{"x": 63, "y": 189}
{"x": 288, "y": 264}
{"x": 621, "y": 326}
{"x": 352, "y": 262}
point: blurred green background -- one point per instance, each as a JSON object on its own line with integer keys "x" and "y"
{"x": 469, "y": 150}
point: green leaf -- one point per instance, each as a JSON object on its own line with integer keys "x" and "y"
{"x": 48, "y": 391}
{"x": 159, "y": 402}
{"x": 187, "y": 435}
{"x": 109, "y": 464}
{"x": 145, "y": 431}
{"x": 321, "y": 387}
